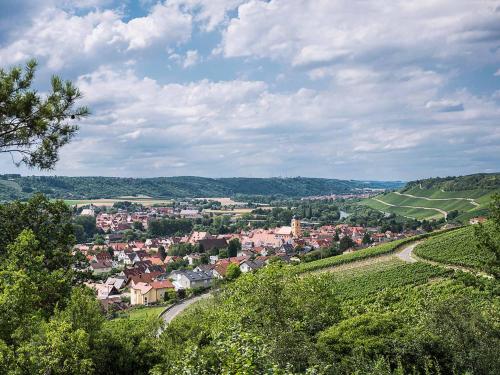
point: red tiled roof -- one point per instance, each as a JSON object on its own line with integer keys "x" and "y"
{"x": 162, "y": 284}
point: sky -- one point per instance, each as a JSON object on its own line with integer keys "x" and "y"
{"x": 351, "y": 89}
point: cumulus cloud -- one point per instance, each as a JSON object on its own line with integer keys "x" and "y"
{"x": 191, "y": 59}
{"x": 307, "y": 33}
{"x": 62, "y": 37}
{"x": 293, "y": 87}
{"x": 445, "y": 106}
{"x": 226, "y": 128}
{"x": 210, "y": 13}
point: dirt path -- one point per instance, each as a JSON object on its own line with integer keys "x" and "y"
{"x": 470, "y": 200}
{"x": 356, "y": 264}
{"x": 442, "y": 212}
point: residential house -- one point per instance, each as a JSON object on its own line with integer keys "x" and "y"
{"x": 146, "y": 293}
{"x": 104, "y": 291}
{"x": 98, "y": 268}
{"x": 117, "y": 282}
{"x": 251, "y": 265}
{"x": 190, "y": 279}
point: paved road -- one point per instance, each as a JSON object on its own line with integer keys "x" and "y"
{"x": 177, "y": 309}
{"x": 470, "y": 200}
{"x": 406, "y": 254}
{"x": 444, "y": 213}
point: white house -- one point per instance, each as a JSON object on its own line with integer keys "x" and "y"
{"x": 190, "y": 279}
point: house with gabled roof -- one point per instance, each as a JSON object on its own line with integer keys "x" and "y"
{"x": 251, "y": 265}
{"x": 190, "y": 279}
{"x": 142, "y": 293}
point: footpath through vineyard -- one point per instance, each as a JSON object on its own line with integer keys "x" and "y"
{"x": 407, "y": 255}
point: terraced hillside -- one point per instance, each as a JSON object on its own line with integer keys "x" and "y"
{"x": 456, "y": 248}
{"x": 429, "y": 200}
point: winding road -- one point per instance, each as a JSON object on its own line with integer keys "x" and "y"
{"x": 470, "y": 200}
{"x": 442, "y": 212}
{"x": 406, "y": 255}
{"x": 175, "y": 310}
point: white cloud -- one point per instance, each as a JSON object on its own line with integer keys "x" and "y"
{"x": 191, "y": 59}
{"x": 445, "y": 105}
{"x": 318, "y": 32}
{"x": 351, "y": 84}
{"x": 62, "y": 37}
{"x": 244, "y": 127}
{"x": 210, "y": 13}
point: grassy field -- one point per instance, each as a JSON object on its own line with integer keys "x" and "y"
{"x": 455, "y": 248}
{"x": 111, "y": 201}
{"x": 468, "y": 203}
{"x": 141, "y": 313}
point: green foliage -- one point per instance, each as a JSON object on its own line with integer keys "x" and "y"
{"x": 345, "y": 243}
{"x": 233, "y": 272}
{"x": 363, "y": 215}
{"x": 272, "y": 303}
{"x": 127, "y": 346}
{"x": 32, "y": 126}
{"x": 470, "y": 182}
{"x": 233, "y": 247}
{"x": 169, "y": 227}
{"x": 128, "y": 206}
{"x": 488, "y": 238}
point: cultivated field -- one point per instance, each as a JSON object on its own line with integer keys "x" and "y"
{"x": 455, "y": 248}
{"x": 432, "y": 203}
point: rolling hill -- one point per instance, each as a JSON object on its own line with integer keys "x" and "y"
{"x": 435, "y": 198}
{"x": 20, "y": 187}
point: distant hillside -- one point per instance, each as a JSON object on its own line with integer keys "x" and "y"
{"x": 486, "y": 181}
{"x": 19, "y": 187}
{"x": 434, "y": 198}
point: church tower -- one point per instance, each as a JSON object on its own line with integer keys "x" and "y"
{"x": 296, "y": 230}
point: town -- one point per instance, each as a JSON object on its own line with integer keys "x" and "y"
{"x": 129, "y": 265}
